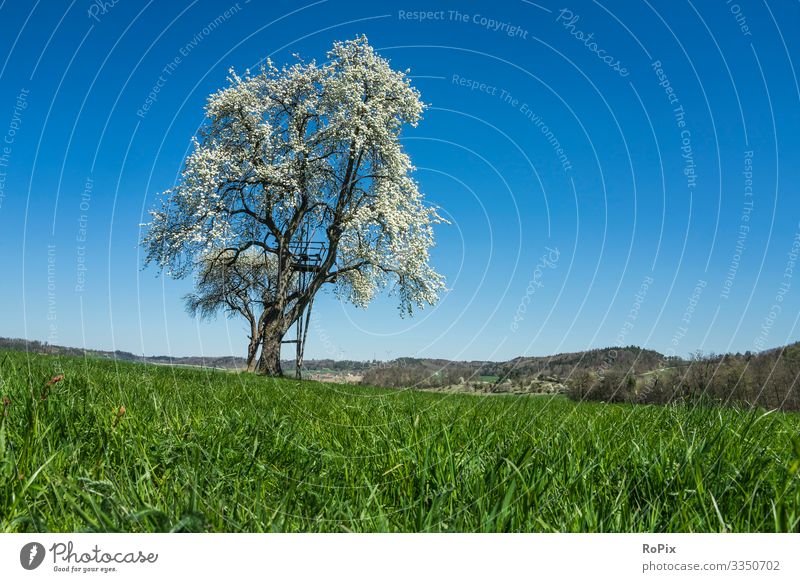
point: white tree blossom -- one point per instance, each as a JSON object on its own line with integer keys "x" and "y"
{"x": 305, "y": 152}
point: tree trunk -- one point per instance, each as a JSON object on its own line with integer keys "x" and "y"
{"x": 269, "y": 363}
{"x": 272, "y": 325}
{"x": 252, "y": 351}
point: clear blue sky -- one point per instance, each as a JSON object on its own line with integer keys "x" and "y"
{"x": 657, "y": 236}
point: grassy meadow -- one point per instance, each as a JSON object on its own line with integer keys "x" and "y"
{"x": 204, "y": 450}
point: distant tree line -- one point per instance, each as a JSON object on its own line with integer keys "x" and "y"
{"x": 767, "y": 380}
{"x": 417, "y": 374}
{"x": 425, "y": 373}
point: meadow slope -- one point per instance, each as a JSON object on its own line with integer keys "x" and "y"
{"x": 201, "y": 450}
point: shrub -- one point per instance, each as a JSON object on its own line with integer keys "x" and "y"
{"x": 613, "y": 386}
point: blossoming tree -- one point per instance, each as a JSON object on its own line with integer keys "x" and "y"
{"x": 306, "y": 153}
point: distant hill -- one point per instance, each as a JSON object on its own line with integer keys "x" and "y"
{"x": 423, "y": 372}
{"x": 224, "y": 362}
{"x": 402, "y": 371}
{"x": 228, "y": 362}
{"x": 769, "y": 379}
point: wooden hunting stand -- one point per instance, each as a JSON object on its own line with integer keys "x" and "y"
{"x": 306, "y": 261}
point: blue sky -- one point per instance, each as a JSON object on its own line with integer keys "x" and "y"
{"x": 614, "y": 173}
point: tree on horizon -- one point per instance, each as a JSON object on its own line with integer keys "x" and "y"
{"x": 305, "y": 154}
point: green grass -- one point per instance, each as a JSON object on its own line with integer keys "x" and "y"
{"x": 215, "y": 451}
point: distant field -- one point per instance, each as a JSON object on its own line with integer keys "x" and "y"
{"x": 204, "y": 450}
